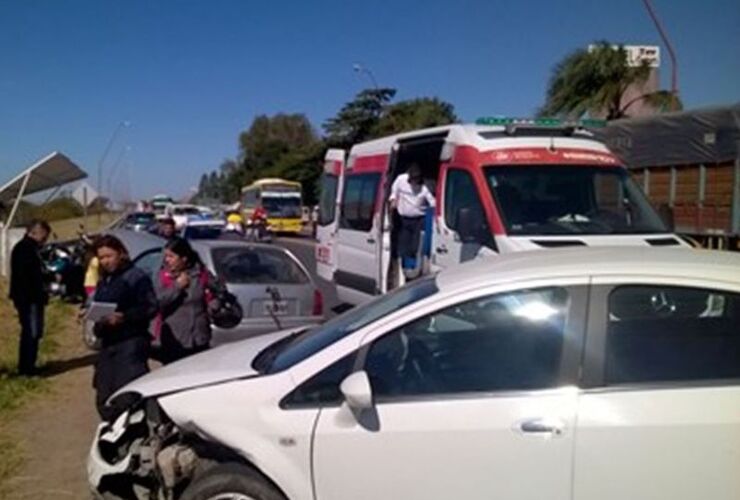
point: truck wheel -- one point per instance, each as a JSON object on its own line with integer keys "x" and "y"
{"x": 230, "y": 481}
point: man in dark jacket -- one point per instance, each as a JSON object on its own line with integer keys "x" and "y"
{"x": 28, "y": 292}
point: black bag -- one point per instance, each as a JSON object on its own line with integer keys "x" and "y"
{"x": 229, "y": 313}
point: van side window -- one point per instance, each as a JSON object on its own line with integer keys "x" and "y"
{"x": 358, "y": 202}
{"x": 460, "y": 192}
{"x": 328, "y": 199}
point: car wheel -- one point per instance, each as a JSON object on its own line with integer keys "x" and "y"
{"x": 230, "y": 481}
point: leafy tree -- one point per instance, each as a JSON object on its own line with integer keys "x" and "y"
{"x": 595, "y": 82}
{"x": 414, "y": 114}
{"x": 356, "y": 120}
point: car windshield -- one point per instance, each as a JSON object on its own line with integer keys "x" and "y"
{"x": 243, "y": 265}
{"x": 569, "y": 200}
{"x": 287, "y": 352}
{"x": 203, "y": 232}
{"x": 282, "y": 206}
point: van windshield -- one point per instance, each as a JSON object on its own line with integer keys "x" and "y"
{"x": 570, "y": 199}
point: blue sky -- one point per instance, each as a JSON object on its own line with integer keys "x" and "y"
{"x": 191, "y": 75}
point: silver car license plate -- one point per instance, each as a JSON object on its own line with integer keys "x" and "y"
{"x": 276, "y": 307}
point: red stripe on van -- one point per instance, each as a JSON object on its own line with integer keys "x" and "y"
{"x": 374, "y": 163}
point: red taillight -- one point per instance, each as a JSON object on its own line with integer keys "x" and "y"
{"x": 318, "y": 303}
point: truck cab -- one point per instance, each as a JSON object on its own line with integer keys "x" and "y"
{"x": 501, "y": 186}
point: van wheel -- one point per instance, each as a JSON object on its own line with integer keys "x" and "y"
{"x": 230, "y": 481}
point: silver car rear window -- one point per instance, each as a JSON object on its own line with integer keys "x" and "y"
{"x": 259, "y": 266}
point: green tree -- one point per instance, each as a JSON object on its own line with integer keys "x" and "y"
{"x": 356, "y": 120}
{"x": 595, "y": 81}
{"x": 414, "y": 114}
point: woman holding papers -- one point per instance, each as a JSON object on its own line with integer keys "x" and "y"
{"x": 124, "y": 333}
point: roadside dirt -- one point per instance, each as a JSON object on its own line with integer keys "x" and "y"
{"x": 55, "y": 429}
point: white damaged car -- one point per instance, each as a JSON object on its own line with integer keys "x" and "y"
{"x": 568, "y": 375}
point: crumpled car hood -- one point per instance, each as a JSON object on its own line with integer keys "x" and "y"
{"x": 226, "y": 362}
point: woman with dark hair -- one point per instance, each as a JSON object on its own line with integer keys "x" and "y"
{"x": 185, "y": 299}
{"x": 124, "y": 334}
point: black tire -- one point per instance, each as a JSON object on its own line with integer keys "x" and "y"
{"x": 230, "y": 478}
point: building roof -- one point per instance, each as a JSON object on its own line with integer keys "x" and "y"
{"x": 52, "y": 171}
{"x": 709, "y": 135}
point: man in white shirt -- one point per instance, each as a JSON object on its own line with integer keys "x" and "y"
{"x": 410, "y": 197}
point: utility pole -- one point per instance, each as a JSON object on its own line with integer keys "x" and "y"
{"x": 121, "y": 125}
{"x": 671, "y": 53}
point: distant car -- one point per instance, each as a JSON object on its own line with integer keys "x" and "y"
{"x": 140, "y": 221}
{"x": 273, "y": 288}
{"x": 608, "y": 374}
{"x": 200, "y": 229}
{"x": 181, "y": 213}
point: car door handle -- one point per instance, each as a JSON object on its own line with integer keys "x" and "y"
{"x": 371, "y": 241}
{"x": 552, "y": 426}
{"x": 441, "y": 249}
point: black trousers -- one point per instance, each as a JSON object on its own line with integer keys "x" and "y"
{"x": 117, "y": 365}
{"x": 31, "y": 316}
{"x": 409, "y": 236}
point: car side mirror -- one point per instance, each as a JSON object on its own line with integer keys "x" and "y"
{"x": 466, "y": 225}
{"x": 666, "y": 214}
{"x": 357, "y": 391}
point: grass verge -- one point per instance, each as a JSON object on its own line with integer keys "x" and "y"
{"x": 16, "y": 391}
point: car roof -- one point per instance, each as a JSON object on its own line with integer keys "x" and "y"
{"x": 137, "y": 242}
{"x": 645, "y": 262}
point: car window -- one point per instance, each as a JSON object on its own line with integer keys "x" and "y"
{"x": 461, "y": 193}
{"x": 202, "y": 232}
{"x": 358, "y": 202}
{"x": 150, "y": 262}
{"x": 510, "y": 341}
{"x": 665, "y": 333}
{"x": 247, "y": 265}
{"x": 328, "y": 199}
{"x": 322, "y": 388}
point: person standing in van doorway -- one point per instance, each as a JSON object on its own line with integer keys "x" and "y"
{"x": 410, "y": 198}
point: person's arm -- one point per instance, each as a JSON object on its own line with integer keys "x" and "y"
{"x": 429, "y": 197}
{"x": 393, "y": 198}
{"x": 167, "y": 296}
{"x": 146, "y": 302}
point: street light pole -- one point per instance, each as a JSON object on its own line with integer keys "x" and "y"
{"x": 359, "y": 68}
{"x": 121, "y": 125}
{"x": 114, "y": 169}
{"x": 671, "y": 53}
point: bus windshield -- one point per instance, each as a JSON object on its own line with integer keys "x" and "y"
{"x": 570, "y": 199}
{"x": 281, "y": 206}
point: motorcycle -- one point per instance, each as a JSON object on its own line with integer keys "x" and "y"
{"x": 64, "y": 269}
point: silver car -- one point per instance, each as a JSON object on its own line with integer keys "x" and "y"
{"x": 274, "y": 289}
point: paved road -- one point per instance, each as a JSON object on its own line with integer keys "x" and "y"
{"x": 303, "y": 248}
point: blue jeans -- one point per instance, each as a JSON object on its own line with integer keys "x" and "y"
{"x": 31, "y": 317}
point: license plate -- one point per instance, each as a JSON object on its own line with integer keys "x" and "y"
{"x": 278, "y": 308}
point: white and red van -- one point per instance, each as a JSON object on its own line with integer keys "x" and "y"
{"x": 501, "y": 185}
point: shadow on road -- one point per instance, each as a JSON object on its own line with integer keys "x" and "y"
{"x": 53, "y": 368}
